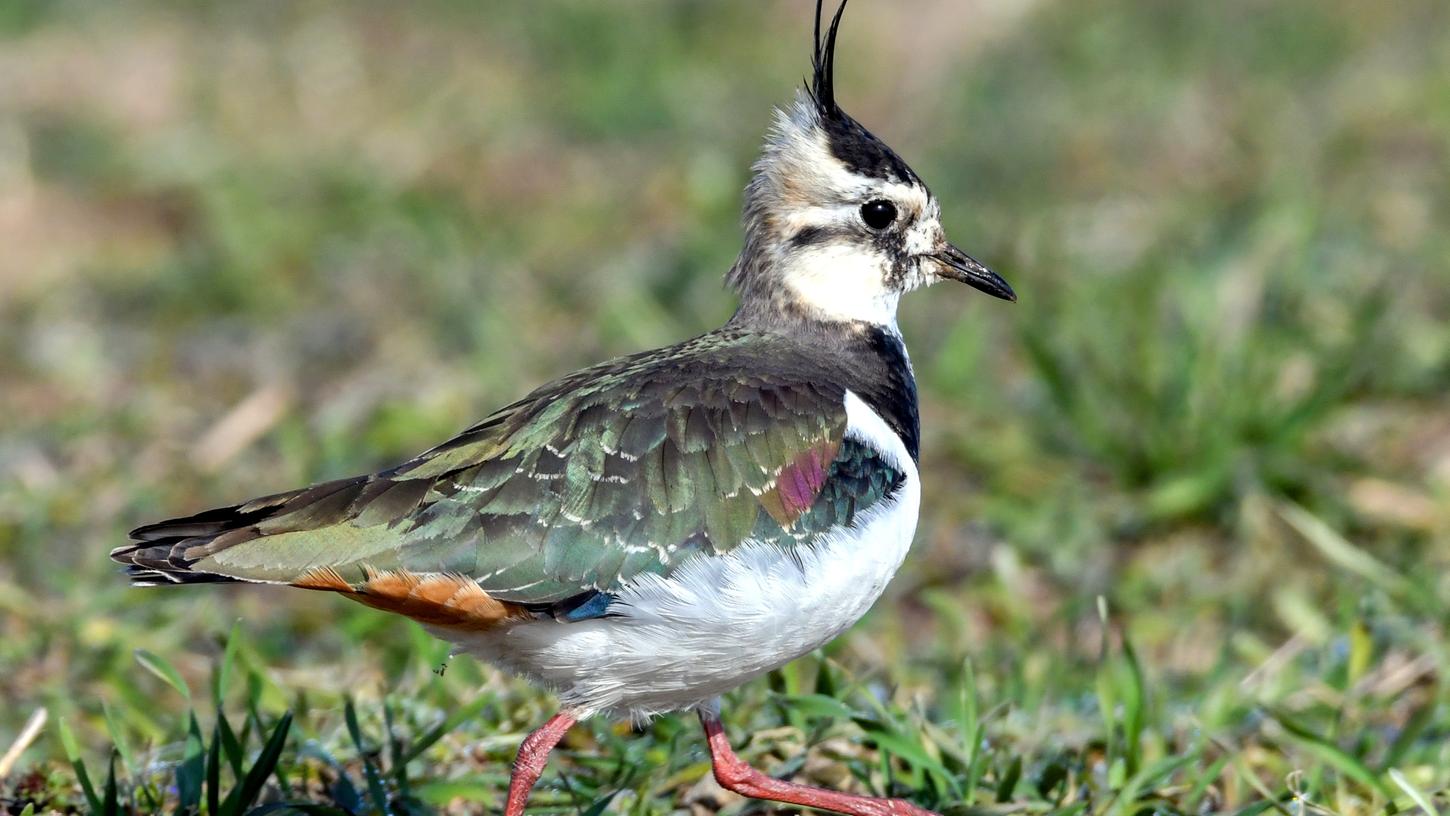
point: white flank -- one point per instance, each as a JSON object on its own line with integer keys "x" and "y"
{"x": 674, "y": 643}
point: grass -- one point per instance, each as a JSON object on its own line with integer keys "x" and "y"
{"x": 1187, "y": 506}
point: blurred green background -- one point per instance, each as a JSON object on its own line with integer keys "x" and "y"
{"x": 246, "y": 246}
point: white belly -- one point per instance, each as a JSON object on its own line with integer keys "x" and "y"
{"x": 672, "y": 643}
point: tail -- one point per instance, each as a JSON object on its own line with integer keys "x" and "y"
{"x": 184, "y": 550}
{"x": 333, "y": 536}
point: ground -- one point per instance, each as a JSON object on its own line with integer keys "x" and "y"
{"x": 1187, "y": 504}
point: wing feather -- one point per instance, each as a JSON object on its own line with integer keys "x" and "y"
{"x": 633, "y": 466}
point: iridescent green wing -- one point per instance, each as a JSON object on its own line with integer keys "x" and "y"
{"x": 637, "y": 469}
{"x": 631, "y": 467}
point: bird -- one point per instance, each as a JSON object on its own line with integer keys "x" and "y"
{"x": 644, "y": 535}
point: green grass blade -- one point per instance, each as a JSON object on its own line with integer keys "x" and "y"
{"x": 228, "y": 662}
{"x": 1007, "y": 785}
{"x": 1331, "y": 754}
{"x": 905, "y": 744}
{"x": 598, "y": 807}
{"x": 976, "y": 768}
{"x": 191, "y": 773}
{"x": 1206, "y": 778}
{"x": 111, "y": 799}
{"x": 118, "y": 737}
{"x": 159, "y": 666}
{"x": 395, "y": 753}
{"x": 73, "y": 755}
{"x": 1126, "y": 802}
{"x": 1339, "y": 551}
{"x": 231, "y": 744}
{"x": 451, "y": 722}
{"x": 1105, "y": 685}
{"x": 1419, "y": 719}
{"x": 343, "y": 792}
{"x": 1255, "y": 808}
{"x": 1418, "y": 796}
{"x": 1052, "y": 774}
{"x": 817, "y": 706}
{"x": 376, "y": 791}
{"x": 214, "y": 769}
{"x": 250, "y": 788}
{"x": 1134, "y": 702}
{"x": 826, "y": 682}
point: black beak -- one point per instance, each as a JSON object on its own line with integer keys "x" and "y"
{"x": 958, "y": 265}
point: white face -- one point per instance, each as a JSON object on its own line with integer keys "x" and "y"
{"x": 857, "y": 272}
{"x": 836, "y": 226}
{"x": 830, "y": 253}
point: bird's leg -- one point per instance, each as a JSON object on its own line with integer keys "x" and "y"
{"x": 733, "y": 774}
{"x": 533, "y": 753}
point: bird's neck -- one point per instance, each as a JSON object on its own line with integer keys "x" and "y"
{"x": 784, "y": 311}
{"x": 825, "y": 281}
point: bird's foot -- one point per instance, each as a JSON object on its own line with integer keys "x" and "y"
{"x": 533, "y": 753}
{"x": 735, "y": 775}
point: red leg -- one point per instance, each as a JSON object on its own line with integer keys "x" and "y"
{"x": 533, "y": 753}
{"x": 733, "y": 774}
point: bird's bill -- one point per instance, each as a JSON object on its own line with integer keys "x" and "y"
{"x": 960, "y": 266}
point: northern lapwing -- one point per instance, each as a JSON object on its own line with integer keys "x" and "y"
{"x": 642, "y": 536}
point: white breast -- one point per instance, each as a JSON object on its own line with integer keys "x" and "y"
{"x": 672, "y": 643}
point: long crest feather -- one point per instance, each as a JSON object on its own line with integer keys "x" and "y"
{"x": 823, "y": 63}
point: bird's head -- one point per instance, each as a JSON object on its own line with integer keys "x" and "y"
{"x": 837, "y": 226}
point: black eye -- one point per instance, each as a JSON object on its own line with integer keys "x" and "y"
{"x": 878, "y": 213}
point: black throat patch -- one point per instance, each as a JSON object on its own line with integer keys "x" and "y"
{"x": 889, "y": 387}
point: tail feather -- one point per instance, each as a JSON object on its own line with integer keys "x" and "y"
{"x": 147, "y": 577}
{"x": 308, "y": 538}
{"x": 165, "y": 552}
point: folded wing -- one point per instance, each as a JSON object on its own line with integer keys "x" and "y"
{"x": 631, "y": 467}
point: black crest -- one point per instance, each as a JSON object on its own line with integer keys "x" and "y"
{"x": 823, "y": 61}
{"x": 853, "y": 144}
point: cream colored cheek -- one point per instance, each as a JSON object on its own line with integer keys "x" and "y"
{"x": 843, "y": 284}
{"x": 836, "y": 273}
